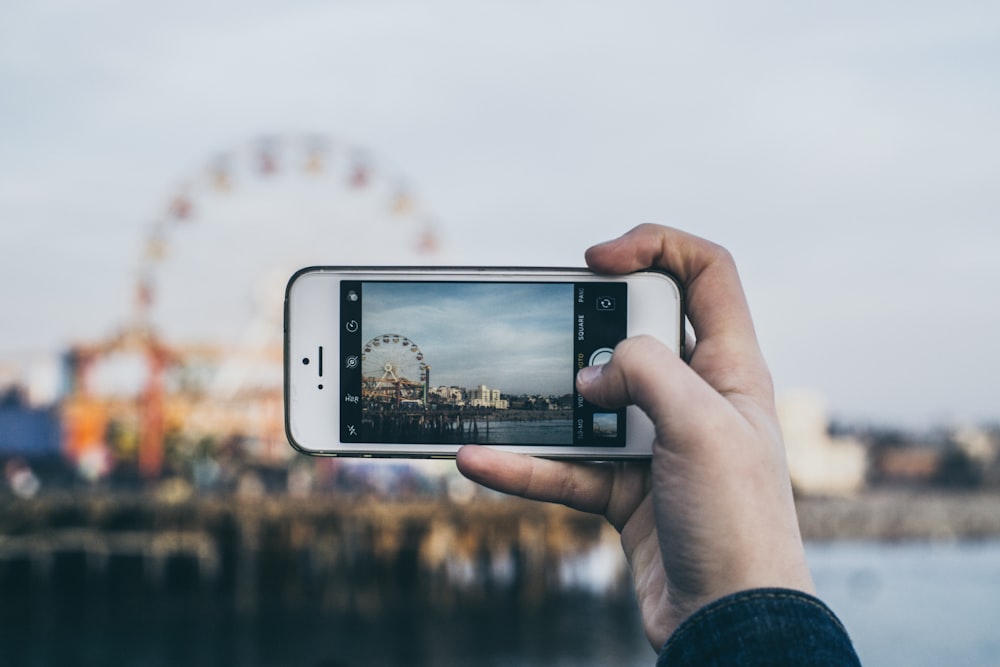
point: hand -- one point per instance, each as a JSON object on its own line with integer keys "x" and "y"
{"x": 712, "y": 512}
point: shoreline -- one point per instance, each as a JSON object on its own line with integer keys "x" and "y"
{"x": 899, "y": 516}
{"x": 514, "y": 414}
{"x": 889, "y": 515}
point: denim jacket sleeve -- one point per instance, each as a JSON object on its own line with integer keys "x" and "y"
{"x": 768, "y": 626}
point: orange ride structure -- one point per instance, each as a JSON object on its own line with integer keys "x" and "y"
{"x": 180, "y": 394}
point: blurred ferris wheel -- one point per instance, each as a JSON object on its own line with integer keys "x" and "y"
{"x": 270, "y": 205}
{"x": 302, "y": 200}
{"x": 205, "y": 317}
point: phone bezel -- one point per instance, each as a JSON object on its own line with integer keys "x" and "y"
{"x": 304, "y": 398}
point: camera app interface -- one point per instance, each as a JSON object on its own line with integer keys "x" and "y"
{"x": 477, "y": 362}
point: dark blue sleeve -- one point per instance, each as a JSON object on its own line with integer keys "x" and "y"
{"x": 768, "y": 626}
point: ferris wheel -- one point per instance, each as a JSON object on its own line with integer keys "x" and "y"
{"x": 336, "y": 169}
{"x": 210, "y": 381}
{"x": 394, "y": 370}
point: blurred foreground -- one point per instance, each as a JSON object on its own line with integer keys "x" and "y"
{"x": 233, "y": 550}
{"x": 173, "y": 525}
{"x": 127, "y": 579}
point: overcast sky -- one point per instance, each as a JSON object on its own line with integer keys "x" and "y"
{"x": 847, "y": 153}
{"x": 514, "y": 337}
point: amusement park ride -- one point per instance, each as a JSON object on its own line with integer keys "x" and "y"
{"x": 225, "y": 388}
{"x": 394, "y": 371}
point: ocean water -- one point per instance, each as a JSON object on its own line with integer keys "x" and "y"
{"x": 914, "y": 604}
{"x": 904, "y": 604}
{"x": 542, "y": 432}
{"x": 581, "y": 631}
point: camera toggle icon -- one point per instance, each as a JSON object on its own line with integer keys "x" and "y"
{"x": 605, "y": 303}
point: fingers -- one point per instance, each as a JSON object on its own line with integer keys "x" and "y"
{"x": 728, "y": 355}
{"x": 611, "y": 490}
{"x": 581, "y": 486}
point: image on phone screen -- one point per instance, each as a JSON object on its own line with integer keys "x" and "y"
{"x": 446, "y": 362}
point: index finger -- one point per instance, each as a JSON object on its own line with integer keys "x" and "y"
{"x": 728, "y": 354}
{"x": 613, "y": 490}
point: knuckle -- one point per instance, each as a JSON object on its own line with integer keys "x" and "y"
{"x": 718, "y": 254}
{"x": 648, "y": 227}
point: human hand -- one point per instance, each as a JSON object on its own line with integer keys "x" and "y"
{"x": 711, "y": 513}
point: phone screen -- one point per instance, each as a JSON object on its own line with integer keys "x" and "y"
{"x": 444, "y": 362}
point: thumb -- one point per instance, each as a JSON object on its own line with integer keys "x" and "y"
{"x": 645, "y": 372}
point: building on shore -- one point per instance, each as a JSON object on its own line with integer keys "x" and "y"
{"x": 448, "y": 395}
{"x": 819, "y": 464}
{"x": 484, "y": 397}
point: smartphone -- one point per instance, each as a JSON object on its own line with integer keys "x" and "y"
{"x": 416, "y": 362}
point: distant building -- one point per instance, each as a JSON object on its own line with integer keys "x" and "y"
{"x": 817, "y": 462}
{"x": 907, "y": 465}
{"x": 447, "y": 395}
{"x": 978, "y": 444}
{"x": 484, "y": 397}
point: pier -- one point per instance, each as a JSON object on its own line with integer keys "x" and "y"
{"x": 422, "y": 425}
{"x": 455, "y": 425}
{"x": 368, "y": 555}
{"x": 325, "y": 553}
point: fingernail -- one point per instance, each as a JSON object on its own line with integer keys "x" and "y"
{"x": 589, "y": 374}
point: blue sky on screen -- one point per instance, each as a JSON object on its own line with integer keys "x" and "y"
{"x": 509, "y": 336}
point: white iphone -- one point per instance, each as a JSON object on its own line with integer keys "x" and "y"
{"x": 415, "y": 362}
